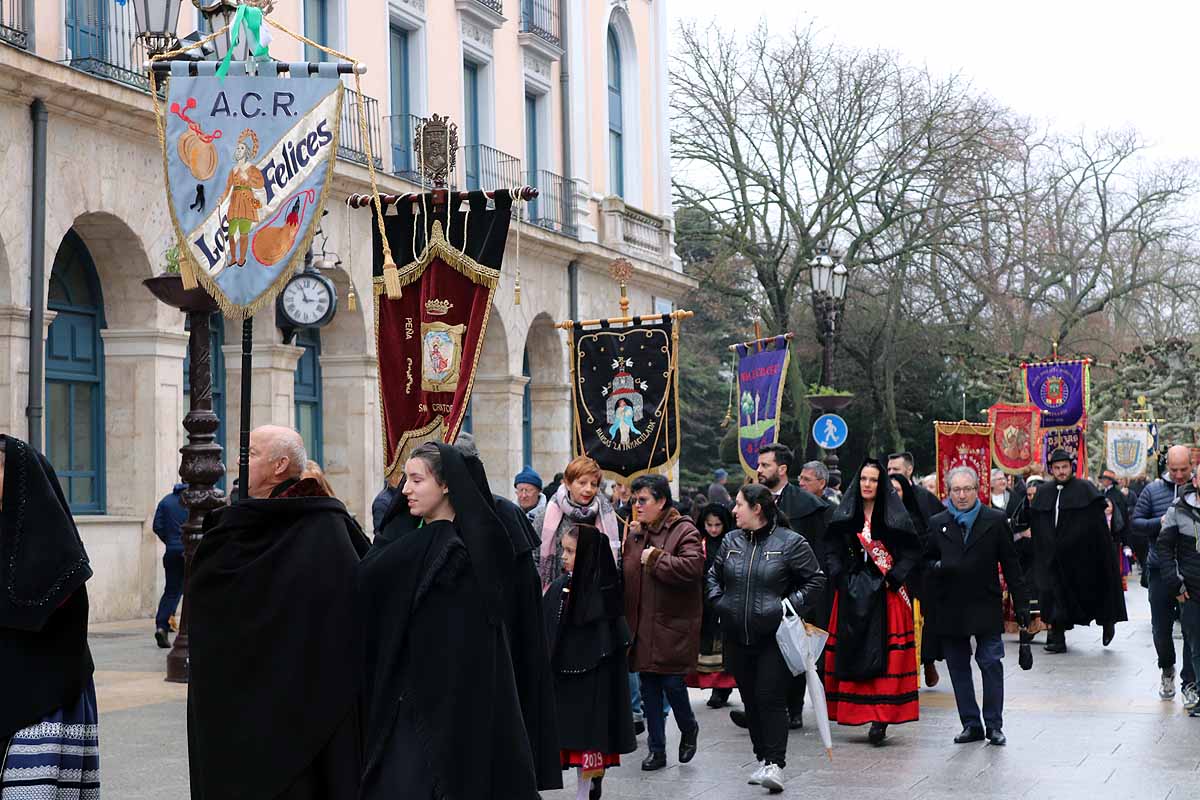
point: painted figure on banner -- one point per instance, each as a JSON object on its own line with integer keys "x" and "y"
{"x": 441, "y": 346}
{"x": 761, "y": 368}
{"x": 242, "y": 187}
{"x": 624, "y": 403}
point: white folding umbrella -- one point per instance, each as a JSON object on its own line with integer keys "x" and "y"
{"x": 814, "y": 645}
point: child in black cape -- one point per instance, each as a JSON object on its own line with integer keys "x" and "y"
{"x": 588, "y": 637}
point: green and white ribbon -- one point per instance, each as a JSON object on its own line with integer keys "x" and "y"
{"x": 251, "y": 19}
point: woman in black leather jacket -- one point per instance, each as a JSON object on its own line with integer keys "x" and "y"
{"x": 759, "y": 564}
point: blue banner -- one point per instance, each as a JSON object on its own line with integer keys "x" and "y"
{"x": 761, "y": 375}
{"x": 248, "y": 161}
{"x": 1059, "y": 390}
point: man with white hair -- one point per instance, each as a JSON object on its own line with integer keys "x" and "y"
{"x": 272, "y": 700}
{"x": 966, "y": 543}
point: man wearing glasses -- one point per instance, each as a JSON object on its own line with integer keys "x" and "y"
{"x": 966, "y": 543}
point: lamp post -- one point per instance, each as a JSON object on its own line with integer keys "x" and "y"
{"x": 157, "y": 22}
{"x": 829, "y": 280}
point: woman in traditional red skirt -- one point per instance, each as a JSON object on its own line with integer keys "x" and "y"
{"x": 871, "y": 657}
{"x": 715, "y": 520}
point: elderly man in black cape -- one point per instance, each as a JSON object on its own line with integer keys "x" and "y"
{"x": 527, "y": 641}
{"x": 47, "y": 697}
{"x": 442, "y": 716}
{"x": 1076, "y": 572}
{"x": 273, "y": 696}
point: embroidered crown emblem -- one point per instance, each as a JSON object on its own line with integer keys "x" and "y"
{"x": 438, "y": 308}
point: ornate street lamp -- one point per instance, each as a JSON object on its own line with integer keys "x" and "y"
{"x": 829, "y": 279}
{"x": 157, "y": 22}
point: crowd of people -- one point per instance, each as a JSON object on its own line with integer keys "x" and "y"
{"x": 481, "y": 644}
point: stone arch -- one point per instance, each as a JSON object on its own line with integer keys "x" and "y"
{"x": 496, "y": 404}
{"x": 122, "y": 263}
{"x": 549, "y": 396}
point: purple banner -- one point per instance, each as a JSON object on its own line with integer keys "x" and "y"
{"x": 761, "y": 377}
{"x": 1069, "y": 439}
{"x": 1059, "y": 390}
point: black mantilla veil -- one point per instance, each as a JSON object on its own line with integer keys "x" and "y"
{"x": 889, "y": 518}
{"x": 44, "y": 656}
{"x": 713, "y": 544}
{"x": 908, "y": 496}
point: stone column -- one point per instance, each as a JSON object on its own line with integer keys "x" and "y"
{"x": 496, "y": 406}
{"x": 273, "y": 392}
{"x": 551, "y": 428}
{"x": 353, "y": 438}
{"x": 143, "y": 399}
{"x": 14, "y": 362}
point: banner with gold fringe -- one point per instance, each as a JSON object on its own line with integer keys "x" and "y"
{"x": 1016, "y": 437}
{"x": 963, "y": 444}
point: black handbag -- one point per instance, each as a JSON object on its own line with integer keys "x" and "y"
{"x": 1025, "y": 656}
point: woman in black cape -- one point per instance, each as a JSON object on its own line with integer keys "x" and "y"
{"x": 442, "y": 714}
{"x": 714, "y": 521}
{"x": 870, "y": 659}
{"x": 585, "y": 625}
{"x": 929, "y": 650}
{"x": 49, "y": 743}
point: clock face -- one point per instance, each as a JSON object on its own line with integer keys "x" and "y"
{"x": 306, "y": 300}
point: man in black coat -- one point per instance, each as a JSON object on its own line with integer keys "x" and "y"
{"x": 1076, "y": 572}
{"x": 927, "y": 501}
{"x": 964, "y": 547}
{"x": 806, "y": 515}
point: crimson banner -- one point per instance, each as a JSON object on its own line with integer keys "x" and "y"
{"x": 964, "y": 444}
{"x": 1016, "y": 437}
{"x": 429, "y": 338}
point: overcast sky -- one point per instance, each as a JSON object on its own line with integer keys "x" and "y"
{"x": 1098, "y": 64}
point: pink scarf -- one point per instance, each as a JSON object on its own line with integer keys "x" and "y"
{"x": 599, "y": 513}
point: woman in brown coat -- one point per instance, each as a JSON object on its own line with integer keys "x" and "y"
{"x": 664, "y": 570}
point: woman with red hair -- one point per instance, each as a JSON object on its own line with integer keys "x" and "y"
{"x": 578, "y": 501}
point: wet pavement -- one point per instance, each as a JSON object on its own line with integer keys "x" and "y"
{"x": 1086, "y": 724}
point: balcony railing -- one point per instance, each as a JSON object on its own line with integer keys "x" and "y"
{"x": 492, "y": 5}
{"x": 102, "y": 39}
{"x": 488, "y": 168}
{"x": 403, "y": 128}
{"x": 351, "y": 145}
{"x": 540, "y": 17}
{"x": 12, "y": 23}
{"x": 554, "y": 208}
{"x": 635, "y": 232}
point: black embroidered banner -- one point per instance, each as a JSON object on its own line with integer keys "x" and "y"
{"x": 626, "y": 396}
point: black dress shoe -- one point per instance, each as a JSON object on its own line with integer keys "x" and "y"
{"x": 1055, "y": 647}
{"x": 597, "y": 788}
{"x": 1110, "y": 630}
{"x": 969, "y": 735}
{"x": 718, "y": 699}
{"x": 738, "y": 717}
{"x": 639, "y": 727}
{"x": 687, "y": 745}
{"x": 654, "y": 761}
{"x": 161, "y": 637}
{"x": 996, "y": 736}
{"x": 795, "y": 721}
{"x": 877, "y": 733}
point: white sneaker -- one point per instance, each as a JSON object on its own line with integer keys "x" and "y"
{"x": 757, "y": 776}
{"x": 1191, "y": 696}
{"x": 772, "y": 778}
{"x": 1166, "y": 689}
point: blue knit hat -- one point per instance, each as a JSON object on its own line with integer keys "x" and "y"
{"x": 720, "y": 473}
{"x": 527, "y": 475}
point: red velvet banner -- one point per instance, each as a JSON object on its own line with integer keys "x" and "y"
{"x": 1016, "y": 437}
{"x": 964, "y": 444}
{"x": 428, "y": 342}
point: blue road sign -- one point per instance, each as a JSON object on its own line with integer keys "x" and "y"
{"x": 830, "y": 431}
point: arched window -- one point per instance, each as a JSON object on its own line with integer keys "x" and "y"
{"x": 216, "y": 340}
{"x": 308, "y": 392}
{"x": 75, "y": 377}
{"x": 616, "y": 126}
{"x": 526, "y": 413}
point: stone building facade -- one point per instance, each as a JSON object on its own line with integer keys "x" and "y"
{"x": 568, "y": 95}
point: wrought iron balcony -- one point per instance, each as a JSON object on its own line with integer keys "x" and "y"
{"x": 102, "y": 39}
{"x": 540, "y": 17}
{"x": 13, "y": 28}
{"x": 351, "y": 145}
{"x": 403, "y": 128}
{"x": 492, "y": 5}
{"x": 554, "y": 209}
{"x": 488, "y": 168}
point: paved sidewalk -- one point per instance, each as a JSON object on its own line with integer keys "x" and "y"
{"x": 1087, "y": 725}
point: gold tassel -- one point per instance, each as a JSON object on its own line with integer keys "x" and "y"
{"x": 391, "y": 280}
{"x": 187, "y": 273}
{"x": 517, "y": 292}
{"x": 352, "y": 300}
